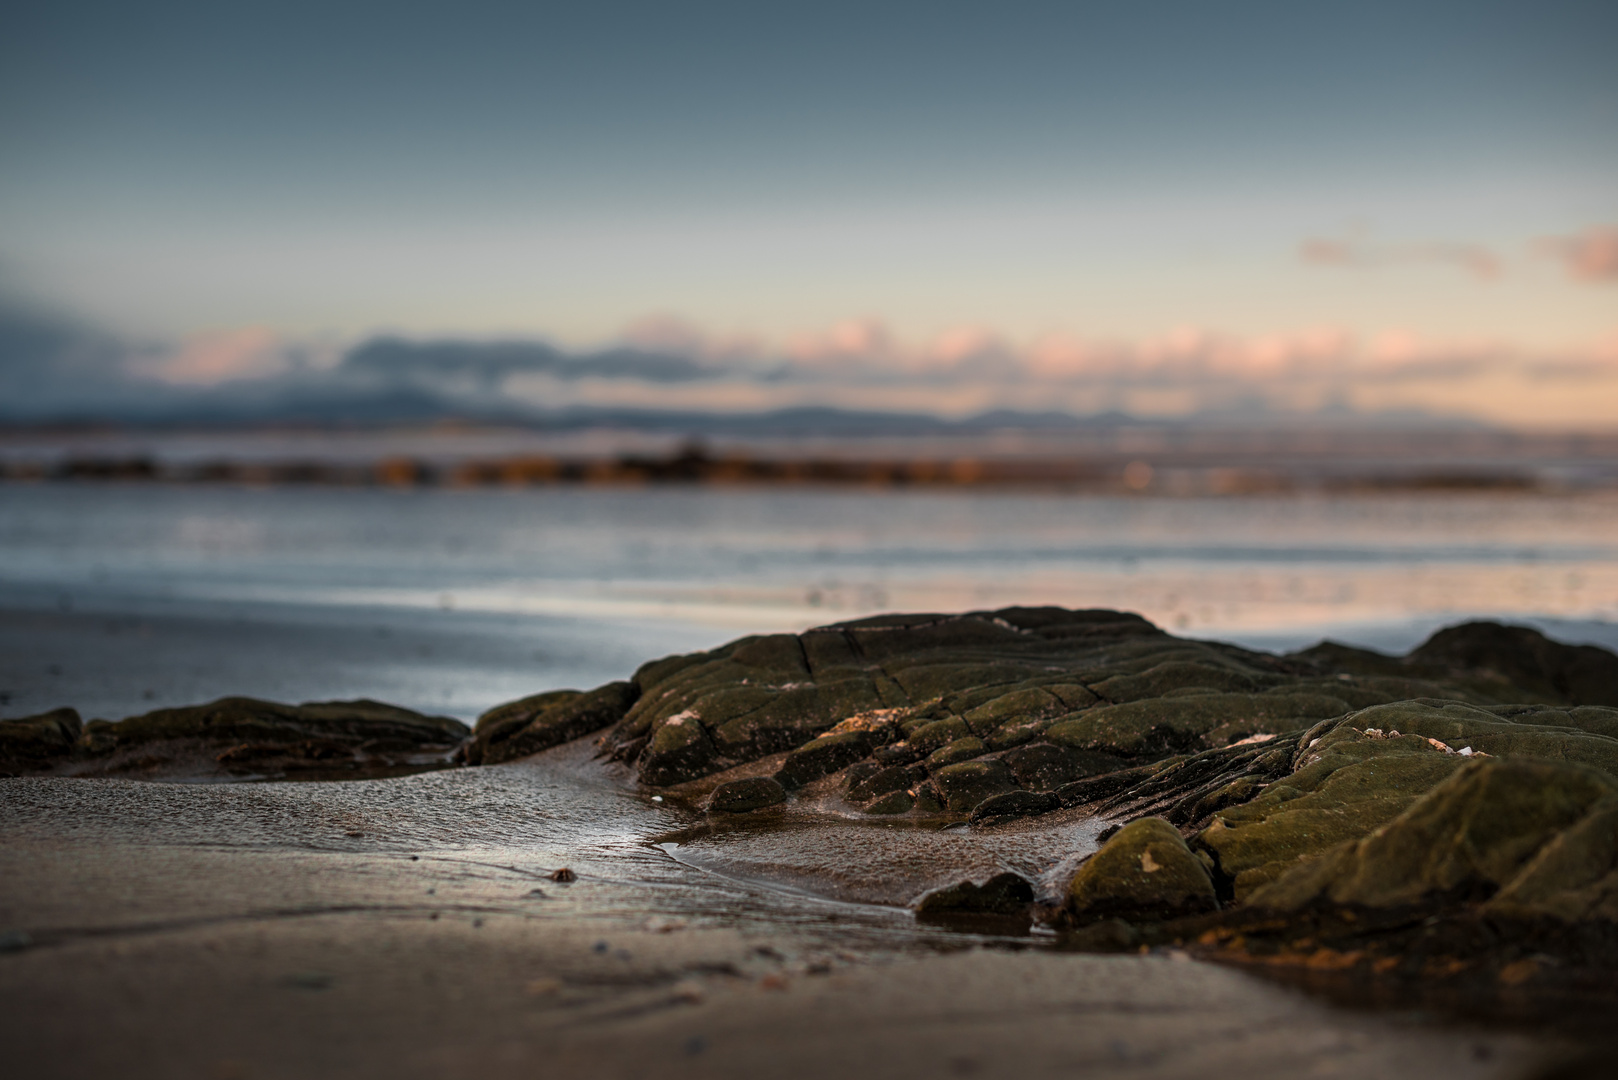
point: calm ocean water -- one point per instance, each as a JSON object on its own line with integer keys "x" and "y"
{"x": 120, "y": 598}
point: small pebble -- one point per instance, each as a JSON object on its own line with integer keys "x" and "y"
{"x": 564, "y": 875}
{"x": 600, "y": 947}
{"x": 543, "y": 987}
{"x": 774, "y": 981}
{"x": 689, "y": 991}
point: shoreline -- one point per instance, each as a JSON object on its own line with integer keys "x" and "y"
{"x": 705, "y": 869}
{"x": 268, "y": 957}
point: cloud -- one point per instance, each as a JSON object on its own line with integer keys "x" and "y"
{"x": 1475, "y": 259}
{"x": 251, "y": 352}
{"x": 52, "y": 368}
{"x": 487, "y": 364}
{"x": 1591, "y": 255}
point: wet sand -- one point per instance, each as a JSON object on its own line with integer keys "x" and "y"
{"x": 410, "y": 927}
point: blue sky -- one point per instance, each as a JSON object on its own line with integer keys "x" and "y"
{"x": 1416, "y": 179}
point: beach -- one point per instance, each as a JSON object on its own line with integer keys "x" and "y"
{"x": 414, "y": 926}
{"x": 391, "y": 928}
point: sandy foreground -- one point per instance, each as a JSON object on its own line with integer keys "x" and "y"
{"x": 410, "y": 927}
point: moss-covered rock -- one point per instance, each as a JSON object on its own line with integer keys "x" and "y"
{"x": 1573, "y": 878}
{"x": 822, "y": 757}
{"x": 1144, "y": 872}
{"x": 1044, "y": 766}
{"x": 680, "y": 750}
{"x": 894, "y": 802}
{"x": 883, "y": 781}
{"x": 542, "y": 721}
{"x": 1349, "y": 785}
{"x": 962, "y": 787}
{"x": 1182, "y": 722}
{"x": 1103, "y": 683}
{"x": 742, "y": 796}
{"x": 29, "y": 743}
{"x": 1465, "y": 839}
{"x": 1010, "y": 805}
{"x": 960, "y": 750}
{"x": 239, "y": 719}
{"x": 1002, "y": 894}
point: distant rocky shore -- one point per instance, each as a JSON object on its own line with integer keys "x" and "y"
{"x": 1177, "y": 473}
{"x": 1447, "y": 815}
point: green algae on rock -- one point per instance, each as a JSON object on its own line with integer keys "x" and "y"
{"x": 1469, "y": 838}
{"x": 1144, "y": 872}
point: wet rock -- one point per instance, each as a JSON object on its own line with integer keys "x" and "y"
{"x": 894, "y": 802}
{"x": 1044, "y": 766}
{"x": 899, "y": 753}
{"x": 1003, "y": 894}
{"x": 1145, "y": 872}
{"x": 884, "y": 781}
{"x": 938, "y": 734}
{"x": 960, "y": 750}
{"x": 1010, "y": 805}
{"x": 822, "y": 757}
{"x": 237, "y": 736}
{"x": 856, "y": 775}
{"x": 740, "y": 796}
{"x": 239, "y": 719}
{"x": 681, "y": 750}
{"x": 536, "y": 723}
{"x": 1108, "y": 935}
{"x": 962, "y": 787}
{"x": 29, "y": 743}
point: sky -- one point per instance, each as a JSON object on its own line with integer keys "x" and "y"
{"x": 1153, "y": 206}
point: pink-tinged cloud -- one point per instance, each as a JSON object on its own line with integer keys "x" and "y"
{"x": 208, "y": 359}
{"x": 1591, "y": 255}
{"x": 1475, "y": 259}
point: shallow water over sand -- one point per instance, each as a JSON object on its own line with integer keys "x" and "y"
{"x": 489, "y": 839}
{"x": 118, "y": 599}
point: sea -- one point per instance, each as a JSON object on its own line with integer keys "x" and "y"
{"x": 120, "y": 597}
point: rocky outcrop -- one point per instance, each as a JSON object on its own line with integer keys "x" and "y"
{"x": 520, "y": 728}
{"x": 239, "y": 738}
{"x": 1262, "y": 798}
{"x": 930, "y": 713}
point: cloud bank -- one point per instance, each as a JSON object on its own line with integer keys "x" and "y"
{"x": 56, "y": 371}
